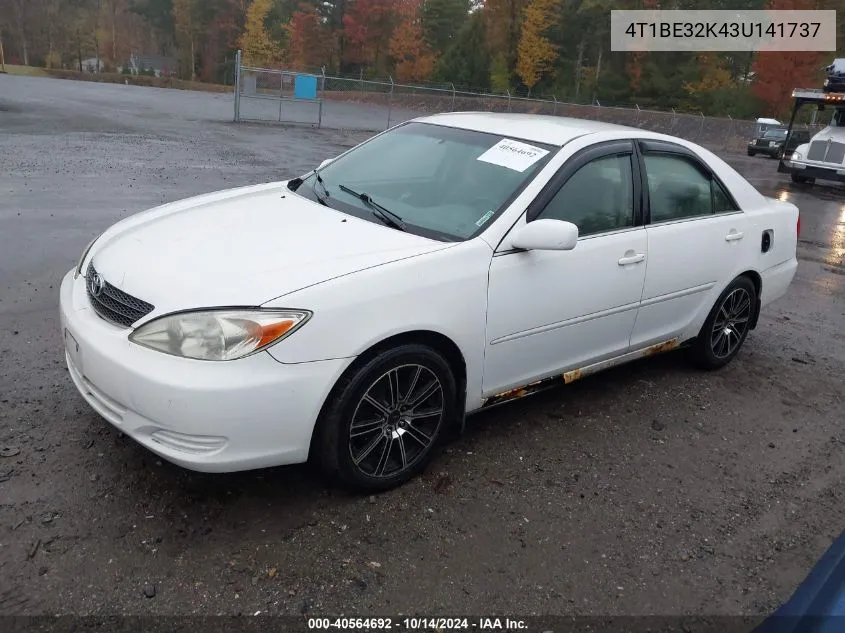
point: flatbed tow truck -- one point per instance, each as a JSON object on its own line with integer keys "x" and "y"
{"x": 824, "y": 156}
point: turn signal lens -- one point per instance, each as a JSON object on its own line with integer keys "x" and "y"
{"x": 218, "y": 334}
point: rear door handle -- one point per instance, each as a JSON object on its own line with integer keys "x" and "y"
{"x": 733, "y": 236}
{"x": 633, "y": 259}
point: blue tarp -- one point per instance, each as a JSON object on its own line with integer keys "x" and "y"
{"x": 818, "y": 605}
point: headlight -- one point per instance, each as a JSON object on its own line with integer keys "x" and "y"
{"x": 218, "y": 334}
{"x": 84, "y": 255}
{"x": 796, "y": 156}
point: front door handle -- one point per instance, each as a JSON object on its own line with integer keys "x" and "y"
{"x": 633, "y": 259}
{"x": 733, "y": 236}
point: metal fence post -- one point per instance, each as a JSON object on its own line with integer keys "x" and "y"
{"x": 281, "y": 92}
{"x": 453, "y": 97}
{"x": 701, "y": 129}
{"x": 238, "y": 86}
{"x": 390, "y": 102}
{"x": 730, "y": 133}
{"x": 509, "y": 100}
{"x": 674, "y": 120}
{"x": 554, "y": 109}
{"x": 637, "y": 120}
{"x": 361, "y": 79}
{"x": 322, "y": 98}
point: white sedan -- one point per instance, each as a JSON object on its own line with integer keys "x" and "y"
{"x": 451, "y": 263}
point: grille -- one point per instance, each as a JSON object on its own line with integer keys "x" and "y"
{"x": 115, "y": 305}
{"x": 819, "y": 151}
{"x": 836, "y": 153}
{"x": 761, "y": 143}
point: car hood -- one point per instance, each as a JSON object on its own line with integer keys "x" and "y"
{"x": 242, "y": 247}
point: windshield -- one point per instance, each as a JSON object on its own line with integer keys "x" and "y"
{"x": 439, "y": 182}
{"x": 775, "y": 134}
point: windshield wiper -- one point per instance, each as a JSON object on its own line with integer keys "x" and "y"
{"x": 379, "y": 211}
{"x": 321, "y": 198}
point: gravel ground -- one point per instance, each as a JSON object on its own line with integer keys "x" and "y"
{"x": 649, "y": 489}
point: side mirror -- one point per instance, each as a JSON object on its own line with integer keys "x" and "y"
{"x": 325, "y": 162}
{"x": 546, "y": 235}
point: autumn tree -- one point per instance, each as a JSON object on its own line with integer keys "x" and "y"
{"x": 368, "y": 26}
{"x": 535, "y": 52}
{"x": 776, "y": 73}
{"x": 308, "y": 41}
{"x": 221, "y": 23}
{"x": 410, "y": 52}
{"x": 713, "y": 75}
{"x": 258, "y": 48}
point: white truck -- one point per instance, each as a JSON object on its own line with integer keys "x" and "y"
{"x": 823, "y": 156}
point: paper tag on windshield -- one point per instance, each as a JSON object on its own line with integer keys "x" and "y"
{"x": 513, "y": 154}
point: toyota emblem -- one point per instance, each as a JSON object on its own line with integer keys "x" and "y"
{"x": 96, "y": 284}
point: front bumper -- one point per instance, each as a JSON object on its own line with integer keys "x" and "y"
{"x": 203, "y": 415}
{"x": 812, "y": 171}
{"x": 763, "y": 149}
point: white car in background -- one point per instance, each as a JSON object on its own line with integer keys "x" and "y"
{"x": 446, "y": 265}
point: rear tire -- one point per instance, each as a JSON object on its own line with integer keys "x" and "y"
{"x": 385, "y": 420}
{"x": 726, "y": 327}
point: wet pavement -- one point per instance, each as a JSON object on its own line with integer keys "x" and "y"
{"x": 649, "y": 489}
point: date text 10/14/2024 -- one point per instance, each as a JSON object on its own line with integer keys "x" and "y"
{"x": 417, "y": 624}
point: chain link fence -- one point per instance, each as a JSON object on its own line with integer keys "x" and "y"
{"x": 374, "y": 105}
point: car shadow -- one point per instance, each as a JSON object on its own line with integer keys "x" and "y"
{"x": 302, "y": 483}
{"x": 294, "y": 504}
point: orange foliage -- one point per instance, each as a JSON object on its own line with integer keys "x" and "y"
{"x": 536, "y": 53}
{"x": 367, "y": 26}
{"x": 778, "y": 72}
{"x": 414, "y": 59}
{"x": 309, "y": 41}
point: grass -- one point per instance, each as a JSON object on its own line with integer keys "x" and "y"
{"x": 164, "y": 82}
{"x": 135, "y": 80}
{"x": 26, "y": 71}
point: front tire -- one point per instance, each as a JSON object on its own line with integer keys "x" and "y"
{"x": 385, "y": 420}
{"x": 802, "y": 179}
{"x": 727, "y": 325}
{"x": 750, "y": 153}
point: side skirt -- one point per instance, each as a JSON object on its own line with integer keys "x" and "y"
{"x": 576, "y": 374}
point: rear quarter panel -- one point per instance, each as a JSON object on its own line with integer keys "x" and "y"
{"x": 776, "y": 266}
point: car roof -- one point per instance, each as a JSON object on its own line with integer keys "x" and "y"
{"x": 540, "y": 128}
